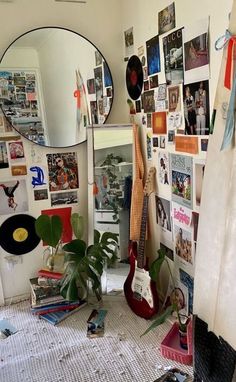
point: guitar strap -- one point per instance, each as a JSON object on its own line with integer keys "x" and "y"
{"x": 137, "y": 189}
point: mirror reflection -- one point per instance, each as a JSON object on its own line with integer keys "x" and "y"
{"x": 113, "y": 183}
{"x": 53, "y": 84}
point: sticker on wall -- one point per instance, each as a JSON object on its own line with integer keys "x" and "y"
{"x": 3, "y": 155}
{"x": 173, "y": 57}
{"x": 38, "y": 179}
{"x": 13, "y": 197}
{"x": 63, "y": 171}
{"x": 196, "y": 51}
{"x": 166, "y": 19}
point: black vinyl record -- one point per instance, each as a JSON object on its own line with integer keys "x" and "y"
{"x": 134, "y": 77}
{"x": 17, "y": 234}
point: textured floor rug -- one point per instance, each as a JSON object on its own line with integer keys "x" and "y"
{"x": 41, "y": 352}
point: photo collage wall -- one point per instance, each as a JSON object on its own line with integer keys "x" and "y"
{"x": 175, "y": 114}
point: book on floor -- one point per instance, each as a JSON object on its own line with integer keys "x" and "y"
{"x": 96, "y": 323}
{"x": 55, "y": 307}
{"x": 42, "y": 295}
{"x": 50, "y": 274}
{"x": 55, "y": 318}
{"x": 6, "y": 329}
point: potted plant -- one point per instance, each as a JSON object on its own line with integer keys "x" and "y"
{"x": 173, "y": 305}
{"x": 82, "y": 262}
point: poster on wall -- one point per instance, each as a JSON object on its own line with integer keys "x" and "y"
{"x": 163, "y": 168}
{"x": 166, "y": 19}
{"x": 62, "y": 171}
{"x": 196, "y": 108}
{"x": 196, "y": 51}
{"x": 3, "y": 155}
{"x": 181, "y": 179}
{"x": 153, "y": 55}
{"x": 13, "y": 197}
{"x": 183, "y": 247}
{"x": 173, "y": 57}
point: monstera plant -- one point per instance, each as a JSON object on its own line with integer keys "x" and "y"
{"x": 82, "y": 263}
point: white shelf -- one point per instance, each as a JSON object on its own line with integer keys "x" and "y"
{"x": 121, "y": 164}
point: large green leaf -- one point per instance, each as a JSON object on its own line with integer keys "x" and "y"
{"x": 97, "y": 236}
{"x": 77, "y": 246}
{"x": 77, "y": 224}
{"x": 156, "y": 265}
{"x": 49, "y": 229}
{"x": 160, "y": 319}
{"x": 109, "y": 237}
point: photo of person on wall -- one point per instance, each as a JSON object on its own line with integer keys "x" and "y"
{"x": 63, "y": 171}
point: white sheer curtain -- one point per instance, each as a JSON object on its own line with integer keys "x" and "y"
{"x": 215, "y": 267}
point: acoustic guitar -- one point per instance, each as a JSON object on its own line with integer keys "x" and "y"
{"x": 140, "y": 290}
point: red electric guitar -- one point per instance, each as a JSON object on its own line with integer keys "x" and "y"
{"x": 140, "y": 290}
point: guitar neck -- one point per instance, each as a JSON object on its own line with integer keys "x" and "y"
{"x": 141, "y": 246}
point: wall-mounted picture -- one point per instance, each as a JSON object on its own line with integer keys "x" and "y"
{"x": 163, "y": 212}
{"x": 98, "y": 82}
{"x": 107, "y": 75}
{"x": 41, "y": 194}
{"x": 199, "y": 175}
{"x": 173, "y": 57}
{"x": 148, "y": 101}
{"x": 129, "y": 41}
{"x": 145, "y": 85}
{"x": 162, "y": 142}
{"x": 98, "y": 58}
{"x": 183, "y": 244}
{"x": 166, "y": 19}
{"x": 13, "y": 197}
{"x": 196, "y": 108}
{"x": 153, "y": 55}
{"x": 3, "y": 155}
{"x": 169, "y": 252}
{"x": 138, "y": 106}
{"x": 155, "y": 141}
{"x": 149, "y": 145}
{"x": 174, "y": 98}
{"x": 109, "y": 92}
{"x": 181, "y": 179}
{"x": 59, "y": 198}
{"x": 161, "y": 92}
{"x": 153, "y": 81}
{"x": 159, "y": 123}
{"x": 18, "y": 170}
{"x": 187, "y": 280}
{"x": 204, "y": 144}
{"x": 16, "y": 150}
{"x": 163, "y": 167}
{"x": 91, "y": 86}
{"x": 196, "y": 51}
{"x": 62, "y": 171}
{"x": 94, "y": 111}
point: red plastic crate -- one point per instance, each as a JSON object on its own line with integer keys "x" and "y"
{"x": 170, "y": 346}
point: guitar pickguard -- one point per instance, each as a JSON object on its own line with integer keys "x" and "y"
{"x": 141, "y": 286}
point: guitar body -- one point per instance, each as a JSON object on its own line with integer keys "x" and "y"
{"x": 140, "y": 290}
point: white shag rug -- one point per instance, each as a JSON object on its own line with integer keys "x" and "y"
{"x": 41, "y": 352}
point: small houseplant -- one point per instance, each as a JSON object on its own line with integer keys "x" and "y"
{"x": 82, "y": 262}
{"x": 174, "y": 305}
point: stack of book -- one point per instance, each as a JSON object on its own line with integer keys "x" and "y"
{"x": 46, "y": 300}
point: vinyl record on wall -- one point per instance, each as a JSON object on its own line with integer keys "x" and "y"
{"x": 134, "y": 77}
{"x": 17, "y": 234}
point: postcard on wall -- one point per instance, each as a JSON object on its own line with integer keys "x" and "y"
{"x": 3, "y": 155}
{"x": 63, "y": 171}
{"x": 153, "y": 55}
{"x": 186, "y": 144}
{"x": 178, "y": 294}
{"x": 196, "y": 51}
{"x": 182, "y": 216}
{"x": 181, "y": 179}
{"x": 40, "y": 194}
{"x": 175, "y": 122}
{"x": 153, "y": 81}
{"x": 148, "y": 101}
{"x": 163, "y": 216}
{"x": 163, "y": 168}
{"x": 159, "y": 122}
{"x": 173, "y": 57}
{"x": 16, "y": 150}
{"x": 166, "y": 19}
{"x": 161, "y": 92}
{"x": 188, "y": 281}
{"x": 129, "y": 41}
{"x": 59, "y": 198}
{"x": 183, "y": 247}
{"x": 196, "y": 108}
{"x": 18, "y": 169}
{"x": 174, "y": 98}
{"x": 13, "y": 197}
{"x": 199, "y": 168}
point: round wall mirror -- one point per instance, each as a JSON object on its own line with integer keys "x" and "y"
{"x": 53, "y": 84}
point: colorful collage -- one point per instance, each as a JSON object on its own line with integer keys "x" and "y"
{"x": 175, "y": 111}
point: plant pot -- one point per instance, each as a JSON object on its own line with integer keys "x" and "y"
{"x": 54, "y": 262}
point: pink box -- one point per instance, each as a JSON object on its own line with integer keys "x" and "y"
{"x": 170, "y": 346}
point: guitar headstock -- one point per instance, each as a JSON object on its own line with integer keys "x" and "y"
{"x": 149, "y": 185}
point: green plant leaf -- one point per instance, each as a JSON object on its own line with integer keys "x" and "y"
{"x": 97, "y": 236}
{"x": 77, "y": 246}
{"x": 108, "y": 237}
{"x": 77, "y": 224}
{"x": 160, "y": 319}
{"x": 72, "y": 290}
{"x": 156, "y": 265}
{"x": 49, "y": 229}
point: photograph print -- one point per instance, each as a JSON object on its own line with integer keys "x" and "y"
{"x": 166, "y": 19}
{"x": 13, "y": 197}
{"x": 196, "y": 52}
{"x": 153, "y": 55}
{"x": 63, "y": 171}
{"x": 163, "y": 212}
{"x": 196, "y": 108}
{"x": 181, "y": 179}
{"x": 3, "y": 155}
{"x": 173, "y": 57}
